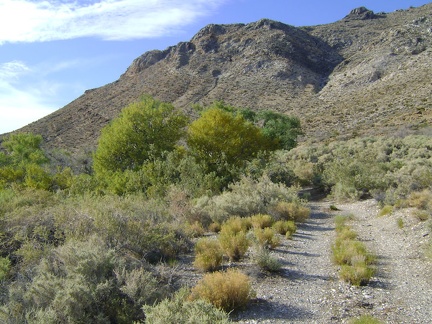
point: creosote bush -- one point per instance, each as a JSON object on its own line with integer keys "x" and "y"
{"x": 228, "y": 290}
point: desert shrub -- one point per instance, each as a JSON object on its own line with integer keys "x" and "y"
{"x": 84, "y": 282}
{"x": 245, "y": 198}
{"x": 266, "y": 260}
{"x": 179, "y": 310}
{"x": 194, "y": 230}
{"x": 261, "y": 221}
{"x": 266, "y": 237}
{"x": 5, "y": 266}
{"x": 386, "y": 210}
{"x": 422, "y": 215}
{"x": 208, "y": 254}
{"x": 233, "y": 240}
{"x": 421, "y": 199}
{"x": 237, "y": 224}
{"x": 358, "y": 273}
{"x": 294, "y": 211}
{"x": 351, "y": 255}
{"x": 226, "y": 290}
{"x": 366, "y": 319}
{"x": 287, "y": 228}
{"x": 214, "y": 227}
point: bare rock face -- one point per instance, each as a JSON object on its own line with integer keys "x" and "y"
{"x": 360, "y": 13}
{"x": 364, "y": 74}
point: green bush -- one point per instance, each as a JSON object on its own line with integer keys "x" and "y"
{"x": 228, "y": 290}
{"x": 208, "y": 254}
{"x": 179, "y": 310}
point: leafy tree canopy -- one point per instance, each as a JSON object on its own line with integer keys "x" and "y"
{"x": 221, "y": 137}
{"x": 143, "y": 130}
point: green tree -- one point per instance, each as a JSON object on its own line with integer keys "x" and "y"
{"x": 225, "y": 140}
{"x": 282, "y": 128}
{"x": 143, "y": 130}
{"x": 22, "y": 161}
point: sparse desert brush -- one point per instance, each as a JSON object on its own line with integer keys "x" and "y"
{"x": 234, "y": 243}
{"x": 261, "y": 221}
{"x": 287, "y": 228}
{"x": 266, "y": 260}
{"x": 421, "y": 199}
{"x": 422, "y": 215}
{"x": 358, "y": 273}
{"x": 208, "y": 254}
{"x": 226, "y": 290}
{"x": 214, "y": 227}
{"x": 386, "y": 210}
{"x": 290, "y": 211}
{"x": 179, "y": 310}
{"x": 346, "y": 233}
{"x": 194, "y": 230}
{"x": 237, "y": 224}
{"x": 351, "y": 255}
{"x": 266, "y": 237}
{"x": 340, "y": 221}
{"x": 365, "y": 319}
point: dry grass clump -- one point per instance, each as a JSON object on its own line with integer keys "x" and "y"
{"x": 261, "y": 221}
{"x": 214, "y": 227}
{"x": 208, "y": 254}
{"x": 366, "y": 319}
{"x": 287, "y": 228}
{"x": 421, "y": 199}
{"x": 226, "y": 290}
{"x": 266, "y": 237}
{"x": 233, "y": 239}
{"x": 194, "y": 230}
{"x": 386, "y": 210}
{"x": 351, "y": 255}
{"x": 290, "y": 211}
{"x": 179, "y": 310}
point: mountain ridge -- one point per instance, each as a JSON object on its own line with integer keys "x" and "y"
{"x": 365, "y": 74}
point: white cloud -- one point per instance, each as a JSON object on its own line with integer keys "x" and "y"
{"x": 21, "y": 104}
{"x": 31, "y": 21}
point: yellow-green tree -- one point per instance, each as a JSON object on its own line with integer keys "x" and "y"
{"x": 225, "y": 140}
{"x": 144, "y": 129}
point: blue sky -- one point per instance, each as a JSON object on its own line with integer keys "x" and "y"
{"x": 51, "y": 51}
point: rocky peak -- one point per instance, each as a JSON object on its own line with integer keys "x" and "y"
{"x": 361, "y": 13}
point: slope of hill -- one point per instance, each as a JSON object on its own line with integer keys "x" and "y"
{"x": 365, "y": 74}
